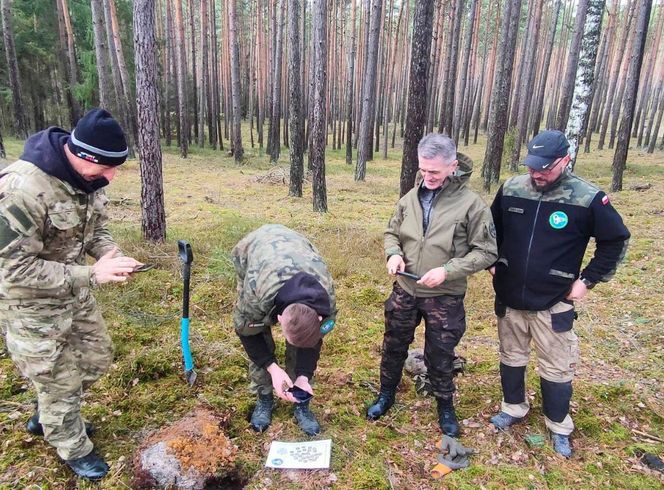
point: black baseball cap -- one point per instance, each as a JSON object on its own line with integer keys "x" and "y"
{"x": 545, "y": 148}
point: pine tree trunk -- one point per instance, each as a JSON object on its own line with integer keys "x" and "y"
{"x": 106, "y": 96}
{"x": 238, "y": 151}
{"x": 654, "y": 130}
{"x": 632, "y": 85}
{"x": 294, "y": 100}
{"x": 194, "y": 78}
{"x": 452, "y": 75}
{"x": 168, "y": 72}
{"x": 585, "y": 74}
{"x": 464, "y": 72}
{"x": 417, "y": 96}
{"x": 572, "y": 64}
{"x": 527, "y": 81}
{"x": 350, "y": 85}
{"x": 70, "y": 67}
{"x": 204, "y": 102}
{"x": 500, "y": 93}
{"x": 546, "y": 62}
{"x": 20, "y": 119}
{"x": 274, "y": 143}
{"x": 620, "y": 53}
{"x": 181, "y": 67}
{"x": 368, "y": 92}
{"x": 318, "y": 127}
{"x": 153, "y": 221}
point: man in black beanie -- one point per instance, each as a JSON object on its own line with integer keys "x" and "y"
{"x": 52, "y": 215}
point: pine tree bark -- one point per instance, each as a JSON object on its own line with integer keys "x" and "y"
{"x": 70, "y": 65}
{"x": 368, "y": 92}
{"x": 194, "y": 78}
{"x": 106, "y": 95}
{"x": 572, "y": 64}
{"x": 585, "y": 77}
{"x": 464, "y": 72}
{"x": 527, "y": 81}
{"x": 631, "y": 87}
{"x": 654, "y": 129}
{"x": 274, "y": 143}
{"x": 500, "y": 93}
{"x": 181, "y": 67}
{"x": 620, "y": 53}
{"x": 318, "y": 118}
{"x": 3, "y": 153}
{"x": 238, "y": 151}
{"x": 153, "y": 215}
{"x": 20, "y": 119}
{"x": 295, "y": 100}
{"x": 350, "y": 85}
{"x": 417, "y": 96}
{"x": 448, "y": 108}
{"x": 204, "y": 99}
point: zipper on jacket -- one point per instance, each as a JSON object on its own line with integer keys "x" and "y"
{"x": 85, "y": 225}
{"x": 530, "y": 244}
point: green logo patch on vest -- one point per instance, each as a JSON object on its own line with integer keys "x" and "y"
{"x": 558, "y": 220}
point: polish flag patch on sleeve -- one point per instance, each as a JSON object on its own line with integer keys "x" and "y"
{"x": 605, "y": 200}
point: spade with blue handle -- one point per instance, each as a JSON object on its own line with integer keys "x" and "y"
{"x": 187, "y": 257}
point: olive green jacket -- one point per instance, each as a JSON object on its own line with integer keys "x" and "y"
{"x": 460, "y": 236}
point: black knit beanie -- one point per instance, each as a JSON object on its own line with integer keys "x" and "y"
{"x": 98, "y": 138}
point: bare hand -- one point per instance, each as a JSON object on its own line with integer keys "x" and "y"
{"x": 303, "y": 383}
{"x": 110, "y": 268}
{"x": 492, "y": 270}
{"x": 395, "y": 264}
{"x": 281, "y": 382}
{"x": 578, "y": 291}
{"x": 434, "y": 277}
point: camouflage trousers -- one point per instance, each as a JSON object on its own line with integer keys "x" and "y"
{"x": 444, "y": 322}
{"x": 261, "y": 381}
{"x": 62, "y": 349}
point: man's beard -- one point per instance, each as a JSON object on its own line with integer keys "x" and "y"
{"x": 546, "y": 187}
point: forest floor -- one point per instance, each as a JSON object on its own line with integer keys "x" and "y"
{"x": 618, "y": 404}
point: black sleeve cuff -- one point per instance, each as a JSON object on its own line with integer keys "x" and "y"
{"x": 307, "y": 360}
{"x": 257, "y": 350}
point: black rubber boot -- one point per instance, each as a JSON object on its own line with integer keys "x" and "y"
{"x": 92, "y": 467}
{"x": 35, "y": 428}
{"x": 382, "y": 404}
{"x": 262, "y": 415}
{"x": 306, "y": 420}
{"x": 447, "y": 418}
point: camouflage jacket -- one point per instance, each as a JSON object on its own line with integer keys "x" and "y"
{"x": 460, "y": 236}
{"x": 542, "y": 238}
{"x": 264, "y": 260}
{"x": 46, "y": 229}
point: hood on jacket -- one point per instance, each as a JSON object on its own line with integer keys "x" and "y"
{"x": 461, "y": 175}
{"x": 45, "y": 150}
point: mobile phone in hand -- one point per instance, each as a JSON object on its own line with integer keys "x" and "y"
{"x": 299, "y": 394}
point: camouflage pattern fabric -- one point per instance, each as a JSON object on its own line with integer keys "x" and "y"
{"x": 572, "y": 190}
{"x": 46, "y": 229}
{"x": 445, "y": 323}
{"x": 264, "y": 260}
{"x": 54, "y": 331}
{"x": 261, "y": 381}
{"x": 62, "y": 349}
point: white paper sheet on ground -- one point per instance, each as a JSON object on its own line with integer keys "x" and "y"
{"x": 305, "y": 455}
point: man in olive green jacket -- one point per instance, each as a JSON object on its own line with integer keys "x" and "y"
{"x": 440, "y": 233}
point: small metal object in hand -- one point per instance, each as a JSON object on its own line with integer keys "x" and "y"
{"x": 143, "y": 268}
{"x": 414, "y": 277}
